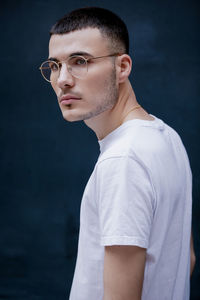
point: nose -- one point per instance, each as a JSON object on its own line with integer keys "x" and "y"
{"x": 65, "y": 78}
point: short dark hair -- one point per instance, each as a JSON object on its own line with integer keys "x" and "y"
{"x": 108, "y": 23}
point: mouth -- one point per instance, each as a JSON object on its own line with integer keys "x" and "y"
{"x": 68, "y": 99}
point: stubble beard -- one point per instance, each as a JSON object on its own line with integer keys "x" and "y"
{"x": 108, "y": 98}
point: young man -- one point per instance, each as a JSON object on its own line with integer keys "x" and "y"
{"x": 135, "y": 223}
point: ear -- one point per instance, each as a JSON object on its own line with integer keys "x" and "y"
{"x": 124, "y": 67}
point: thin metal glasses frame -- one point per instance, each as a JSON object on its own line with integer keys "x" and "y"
{"x": 70, "y": 57}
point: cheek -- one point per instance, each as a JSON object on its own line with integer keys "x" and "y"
{"x": 96, "y": 84}
{"x": 93, "y": 92}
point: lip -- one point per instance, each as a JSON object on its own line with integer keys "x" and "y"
{"x": 68, "y": 99}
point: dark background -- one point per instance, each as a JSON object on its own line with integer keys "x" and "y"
{"x": 45, "y": 161}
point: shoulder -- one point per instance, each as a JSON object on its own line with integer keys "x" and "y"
{"x": 138, "y": 139}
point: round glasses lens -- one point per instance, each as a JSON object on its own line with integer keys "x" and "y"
{"x": 50, "y": 70}
{"x": 77, "y": 66}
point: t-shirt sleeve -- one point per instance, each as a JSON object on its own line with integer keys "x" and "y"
{"x": 125, "y": 202}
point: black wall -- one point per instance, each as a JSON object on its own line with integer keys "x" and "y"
{"x": 45, "y": 161}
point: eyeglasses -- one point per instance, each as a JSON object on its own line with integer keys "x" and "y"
{"x": 77, "y": 66}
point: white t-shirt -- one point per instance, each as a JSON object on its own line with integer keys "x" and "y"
{"x": 138, "y": 194}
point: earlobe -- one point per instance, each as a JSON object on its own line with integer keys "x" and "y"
{"x": 125, "y": 67}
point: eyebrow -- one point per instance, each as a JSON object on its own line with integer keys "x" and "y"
{"x": 82, "y": 53}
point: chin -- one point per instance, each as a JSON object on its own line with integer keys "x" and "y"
{"x": 70, "y": 117}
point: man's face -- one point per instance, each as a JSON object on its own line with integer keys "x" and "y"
{"x": 97, "y": 91}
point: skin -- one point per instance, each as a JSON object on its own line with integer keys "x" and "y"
{"x": 123, "y": 272}
{"x": 193, "y": 256}
{"x": 105, "y": 99}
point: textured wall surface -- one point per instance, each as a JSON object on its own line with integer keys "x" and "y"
{"x": 45, "y": 161}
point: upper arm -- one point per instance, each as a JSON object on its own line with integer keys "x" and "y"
{"x": 126, "y": 203}
{"x": 123, "y": 272}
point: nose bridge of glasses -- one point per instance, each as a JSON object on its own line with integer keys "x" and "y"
{"x": 64, "y": 68}
{"x": 64, "y": 75}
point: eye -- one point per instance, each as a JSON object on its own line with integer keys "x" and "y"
{"x": 77, "y": 61}
{"x": 53, "y": 66}
{"x": 80, "y": 61}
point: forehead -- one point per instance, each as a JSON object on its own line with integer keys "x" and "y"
{"x": 88, "y": 40}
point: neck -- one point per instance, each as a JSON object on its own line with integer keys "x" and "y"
{"x": 109, "y": 120}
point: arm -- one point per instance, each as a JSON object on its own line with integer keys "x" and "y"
{"x": 192, "y": 255}
{"x": 123, "y": 272}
